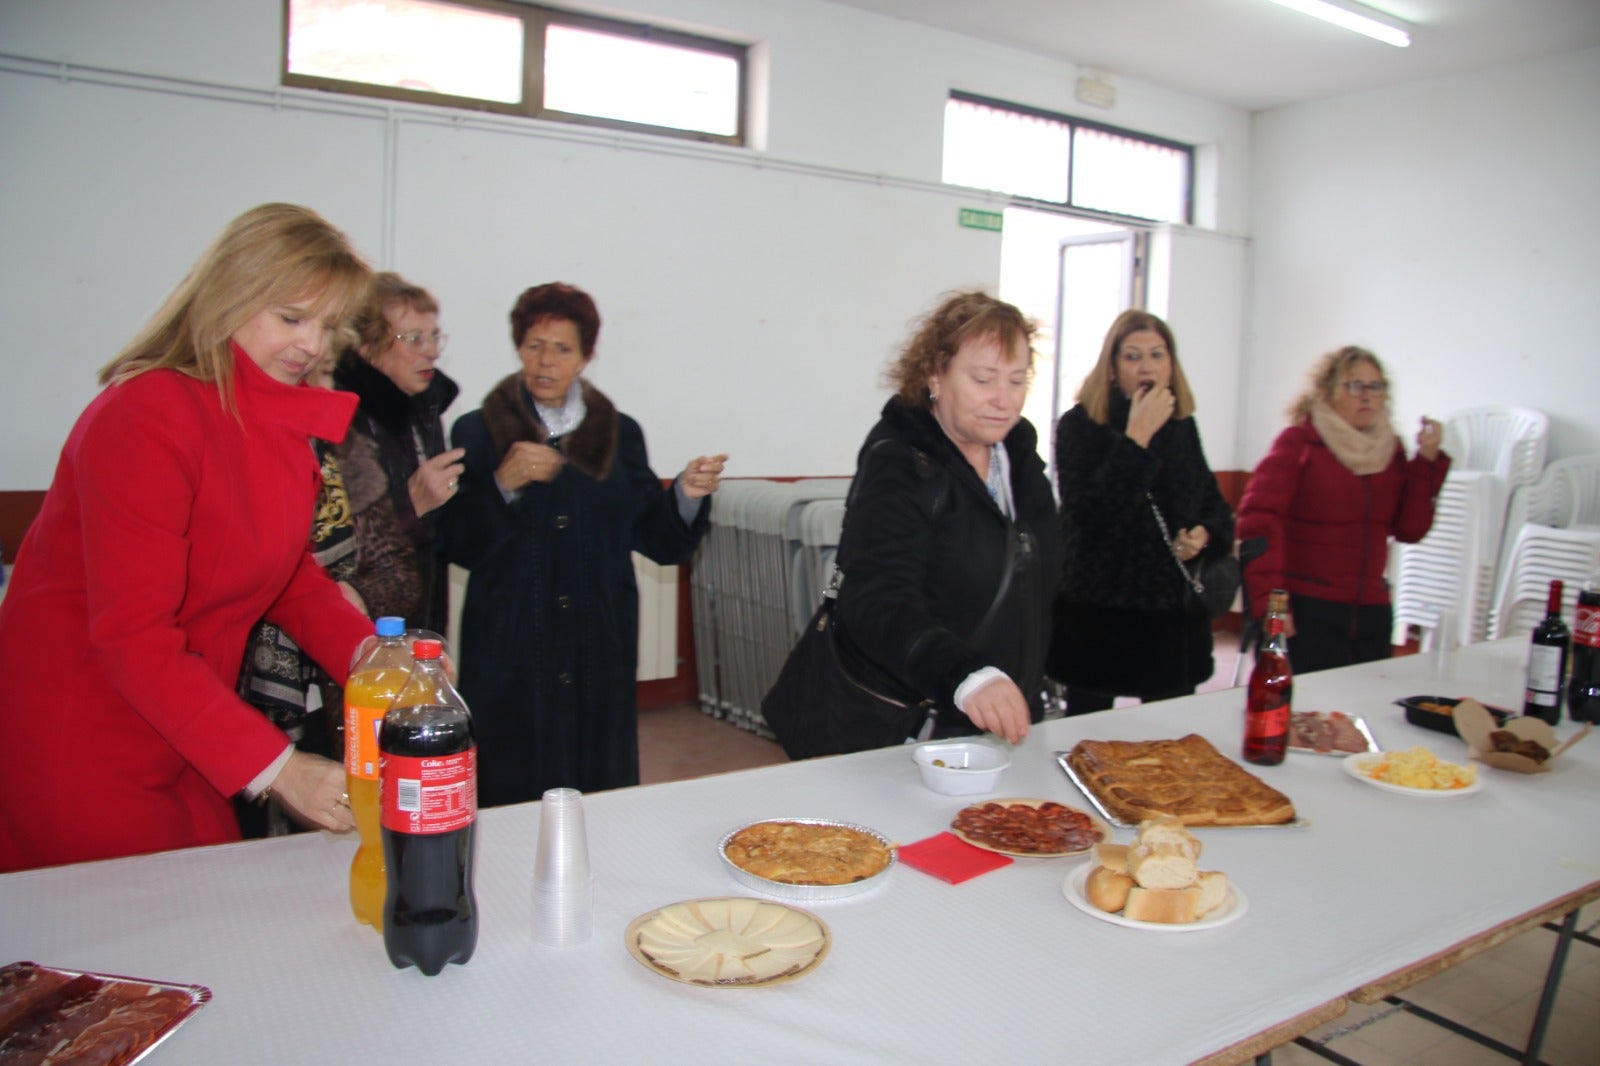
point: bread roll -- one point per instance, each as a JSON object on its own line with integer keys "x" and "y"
{"x": 1213, "y": 885}
{"x": 1113, "y": 856}
{"x": 1165, "y": 829}
{"x": 1169, "y": 906}
{"x": 1163, "y": 865}
{"x": 1107, "y": 888}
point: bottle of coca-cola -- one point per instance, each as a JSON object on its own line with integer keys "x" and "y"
{"x": 1547, "y": 662}
{"x": 1583, "y": 694}
{"x": 428, "y": 765}
{"x": 1266, "y": 713}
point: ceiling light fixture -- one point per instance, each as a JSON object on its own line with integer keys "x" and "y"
{"x": 1357, "y": 17}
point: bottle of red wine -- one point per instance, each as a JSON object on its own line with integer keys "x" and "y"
{"x": 1547, "y": 662}
{"x": 1266, "y": 712}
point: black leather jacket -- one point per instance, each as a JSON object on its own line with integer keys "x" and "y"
{"x": 923, "y": 555}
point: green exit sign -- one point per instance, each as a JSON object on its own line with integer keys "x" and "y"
{"x": 972, "y": 218}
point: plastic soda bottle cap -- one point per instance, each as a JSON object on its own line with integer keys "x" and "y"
{"x": 427, "y": 649}
{"x": 390, "y": 626}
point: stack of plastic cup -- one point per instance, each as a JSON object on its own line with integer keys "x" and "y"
{"x": 563, "y": 894}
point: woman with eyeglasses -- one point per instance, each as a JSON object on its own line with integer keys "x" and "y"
{"x": 1334, "y": 488}
{"x": 397, "y": 469}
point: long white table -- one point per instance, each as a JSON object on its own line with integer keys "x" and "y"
{"x": 920, "y": 971}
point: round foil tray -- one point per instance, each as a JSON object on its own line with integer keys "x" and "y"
{"x": 807, "y": 893}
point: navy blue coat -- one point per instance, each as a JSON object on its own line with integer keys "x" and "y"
{"x": 550, "y": 625}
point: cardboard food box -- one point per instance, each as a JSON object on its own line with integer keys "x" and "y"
{"x": 1474, "y": 724}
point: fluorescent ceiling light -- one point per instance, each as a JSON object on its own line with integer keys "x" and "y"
{"x": 1352, "y": 16}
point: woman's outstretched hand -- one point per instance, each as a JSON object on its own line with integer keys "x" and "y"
{"x": 999, "y": 708}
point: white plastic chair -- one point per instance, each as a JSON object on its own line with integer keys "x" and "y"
{"x": 1509, "y": 442}
{"x": 1538, "y": 556}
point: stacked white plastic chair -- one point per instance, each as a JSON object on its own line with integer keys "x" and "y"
{"x": 755, "y": 573}
{"x": 1451, "y": 572}
{"x": 1554, "y": 535}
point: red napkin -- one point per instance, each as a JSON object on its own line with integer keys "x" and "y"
{"x": 949, "y": 858}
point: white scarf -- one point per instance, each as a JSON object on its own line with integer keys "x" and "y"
{"x": 1362, "y": 451}
{"x": 559, "y": 421}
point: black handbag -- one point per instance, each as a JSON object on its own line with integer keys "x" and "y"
{"x": 816, "y": 707}
{"x": 1215, "y": 579}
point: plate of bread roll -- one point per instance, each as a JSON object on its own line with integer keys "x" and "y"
{"x": 1155, "y": 883}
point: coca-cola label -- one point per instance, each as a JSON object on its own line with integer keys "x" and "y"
{"x": 1586, "y": 630}
{"x": 433, "y": 794}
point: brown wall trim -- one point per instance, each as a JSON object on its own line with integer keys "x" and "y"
{"x": 17, "y": 511}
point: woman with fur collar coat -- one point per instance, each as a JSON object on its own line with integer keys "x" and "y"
{"x": 1125, "y": 621}
{"x": 556, "y": 495}
{"x": 1335, "y": 486}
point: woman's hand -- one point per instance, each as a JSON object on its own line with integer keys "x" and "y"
{"x": 1190, "y": 542}
{"x": 702, "y": 476}
{"x": 1150, "y": 410}
{"x": 436, "y": 481}
{"x": 527, "y": 462}
{"x": 1429, "y": 437}
{"x": 312, "y": 789}
{"x": 1000, "y": 708}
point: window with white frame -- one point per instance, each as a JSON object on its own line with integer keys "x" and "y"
{"x": 520, "y": 59}
{"x": 1042, "y": 156}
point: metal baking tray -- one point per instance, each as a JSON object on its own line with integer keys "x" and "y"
{"x": 1360, "y": 726}
{"x": 807, "y": 893}
{"x": 1061, "y": 761}
{"x": 196, "y": 996}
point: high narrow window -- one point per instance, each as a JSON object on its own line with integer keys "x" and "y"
{"x": 1038, "y": 155}
{"x": 520, "y": 59}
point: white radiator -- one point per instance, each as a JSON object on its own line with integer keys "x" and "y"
{"x": 658, "y": 616}
{"x": 658, "y": 619}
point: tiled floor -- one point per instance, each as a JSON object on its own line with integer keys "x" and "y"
{"x": 1495, "y": 993}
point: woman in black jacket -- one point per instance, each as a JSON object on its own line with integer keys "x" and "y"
{"x": 949, "y": 486}
{"x": 557, "y": 495}
{"x": 397, "y": 470}
{"x": 1126, "y": 623}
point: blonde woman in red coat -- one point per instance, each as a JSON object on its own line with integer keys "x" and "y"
{"x": 1332, "y": 491}
{"x": 177, "y": 519}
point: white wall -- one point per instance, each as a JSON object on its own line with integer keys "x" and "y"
{"x": 750, "y": 298}
{"x": 1453, "y": 227}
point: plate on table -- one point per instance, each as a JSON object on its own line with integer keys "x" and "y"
{"x": 1359, "y": 767}
{"x": 1060, "y": 830}
{"x": 729, "y": 942}
{"x": 1329, "y": 733}
{"x": 1231, "y": 910}
{"x": 46, "y": 1008}
{"x": 807, "y": 860}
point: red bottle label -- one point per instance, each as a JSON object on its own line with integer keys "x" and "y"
{"x": 1267, "y": 723}
{"x": 1586, "y": 630}
{"x": 436, "y": 794}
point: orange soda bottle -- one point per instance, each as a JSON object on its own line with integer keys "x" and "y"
{"x": 380, "y": 671}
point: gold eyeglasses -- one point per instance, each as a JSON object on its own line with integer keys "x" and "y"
{"x": 418, "y": 339}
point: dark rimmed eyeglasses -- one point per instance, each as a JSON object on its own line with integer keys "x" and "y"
{"x": 416, "y": 339}
{"x": 1356, "y": 388}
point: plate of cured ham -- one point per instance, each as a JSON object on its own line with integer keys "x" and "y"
{"x": 57, "y": 1015}
{"x": 1029, "y": 828}
{"x": 1329, "y": 733}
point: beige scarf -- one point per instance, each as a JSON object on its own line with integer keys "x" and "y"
{"x": 1362, "y": 451}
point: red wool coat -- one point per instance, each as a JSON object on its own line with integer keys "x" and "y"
{"x": 171, "y": 527}
{"x": 1328, "y": 529}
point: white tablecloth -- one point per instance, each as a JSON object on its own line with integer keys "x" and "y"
{"x": 920, "y": 971}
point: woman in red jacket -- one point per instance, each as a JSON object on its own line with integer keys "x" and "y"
{"x": 178, "y": 518}
{"x": 1328, "y": 496}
